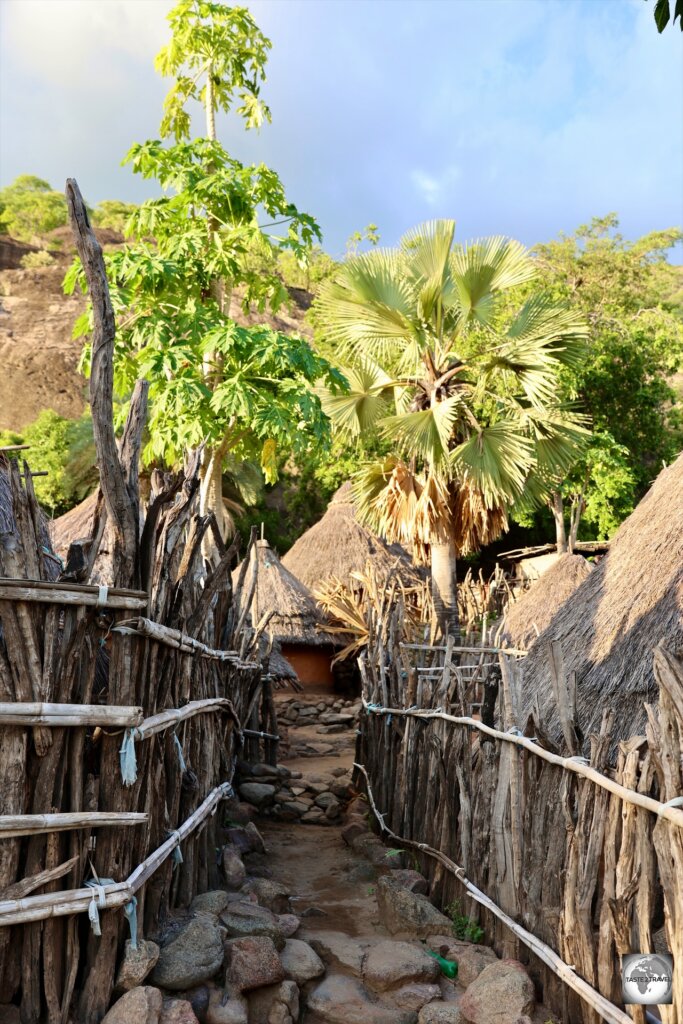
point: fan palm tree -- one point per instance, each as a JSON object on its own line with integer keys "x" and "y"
{"x": 461, "y": 382}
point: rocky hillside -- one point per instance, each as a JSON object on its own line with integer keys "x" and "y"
{"x": 38, "y": 356}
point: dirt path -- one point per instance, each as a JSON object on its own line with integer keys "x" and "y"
{"x": 333, "y": 885}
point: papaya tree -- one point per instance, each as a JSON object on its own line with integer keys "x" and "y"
{"x": 243, "y": 392}
{"x": 464, "y": 391}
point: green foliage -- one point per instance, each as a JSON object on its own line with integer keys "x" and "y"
{"x": 369, "y": 234}
{"x": 29, "y": 208}
{"x": 629, "y": 296}
{"x": 63, "y": 448}
{"x": 216, "y": 54}
{"x": 245, "y": 391}
{"x": 464, "y": 927}
{"x": 663, "y": 14}
{"x": 33, "y": 260}
{"x": 463, "y": 388}
{"x": 114, "y": 214}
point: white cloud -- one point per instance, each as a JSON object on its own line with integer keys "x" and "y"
{"x": 71, "y": 42}
{"x": 433, "y": 188}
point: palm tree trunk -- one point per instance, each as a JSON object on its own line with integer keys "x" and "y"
{"x": 557, "y": 508}
{"x": 444, "y": 589}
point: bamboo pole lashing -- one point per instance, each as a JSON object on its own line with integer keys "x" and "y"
{"x": 609, "y": 1012}
{"x": 670, "y": 811}
{"x": 115, "y": 894}
{"x": 61, "y": 715}
{"x": 12, "y": 825}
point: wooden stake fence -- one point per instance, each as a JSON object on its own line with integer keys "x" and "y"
{"x": 73, "y": 677}
{"x": 563, "y": 860}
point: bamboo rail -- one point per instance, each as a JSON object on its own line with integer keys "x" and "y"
{"x": 71, "y": 594}
{"x": 75, "y": 901}
{"x": 608, "y": 1011}
{"x": 572, "y": 764}
{"x": 173, "y": 716}
{"x": 60, "y": 715}
{"x": 180, "y": 641}
{"x": 513, "y": 651}
{"x": 29, "y": 824}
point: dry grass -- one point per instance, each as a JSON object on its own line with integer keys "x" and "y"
{"x": 610, "y": 626}
{"x": 296, "y": 617}
{"x": 338, "y": 545}
{"x": 532, "y": 613}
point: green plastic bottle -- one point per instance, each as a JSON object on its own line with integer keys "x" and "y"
{"x": 449, "y": 968}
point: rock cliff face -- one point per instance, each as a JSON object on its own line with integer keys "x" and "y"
{"x": 39, "y": 358}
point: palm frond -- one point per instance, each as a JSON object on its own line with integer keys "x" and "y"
{"x": 495, "y": 460}
{"x": 357, "y": 410}
{"x": 475, "y": 523}
{"x": 368, "y": 308}
{"x": 551, "y": 326}
{"x": 482, "y": 268}
{"x": 427, "y": 249}
{"x": 428, "y": 432}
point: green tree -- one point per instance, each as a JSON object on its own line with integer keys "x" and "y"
{"x": 244, "y": 392}
{"x": 65, "y": 450}
{"x": 628, "y": 293}
{"x": 29, "y": 208}
{"x": 114, "y": 214}
{"x": 465, "y": 393}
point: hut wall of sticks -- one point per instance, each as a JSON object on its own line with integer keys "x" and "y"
{"x": 120, "y": 710}
{"x": 566, "y": 862}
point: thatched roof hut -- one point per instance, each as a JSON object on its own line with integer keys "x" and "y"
{"x": 296, "y": 617}
{"x": 296, "y": 622}
{"x": 532, "y": 612}
{"x": 338, "y": 544}
{"x": 608, "y": 630}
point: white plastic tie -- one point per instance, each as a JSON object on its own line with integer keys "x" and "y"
{"x": 102, "y": 594}
{"x": 676, "y": 802}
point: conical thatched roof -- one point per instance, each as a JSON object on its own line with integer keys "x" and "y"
{"x": 338, "y": 544}
{"x": 296, "y": 615}
{"x": 533, "y": 611}
{"x": 631, "y": 601}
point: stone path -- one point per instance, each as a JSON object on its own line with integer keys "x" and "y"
{"x": 318, "y": 922}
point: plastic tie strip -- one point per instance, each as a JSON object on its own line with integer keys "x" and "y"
{"x": 127, "y": 758}
{"x": 98, "y": 902}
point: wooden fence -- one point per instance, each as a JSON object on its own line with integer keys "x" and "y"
{"x": 121, "y": 711}
{"x": 567, "y": 862}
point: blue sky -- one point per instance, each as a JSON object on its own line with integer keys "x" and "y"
{"x": 517, "y": 117}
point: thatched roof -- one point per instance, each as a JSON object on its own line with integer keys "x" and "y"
{"x": 296, "y": 616}
{"x": 76, "y": 524}
{"x": 338, "y": 544}
{"x": 631, "y": 601}
{"x": 533, "y": 611}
